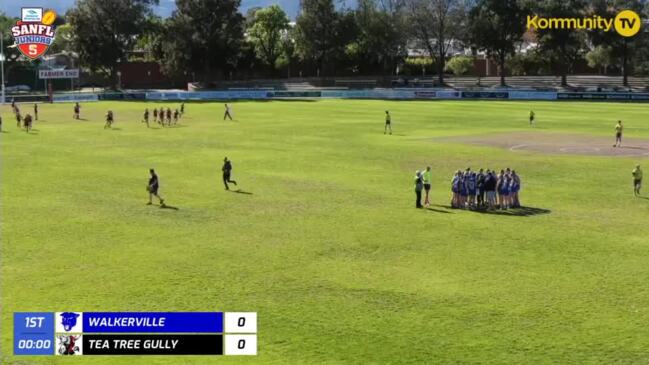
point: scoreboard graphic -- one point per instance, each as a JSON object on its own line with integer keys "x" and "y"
{"x": 135, "y": 333}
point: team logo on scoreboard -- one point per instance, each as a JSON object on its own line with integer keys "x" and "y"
{"x": 69, "y": 345}
{"x": 69, "y": 322}
{"x": 34, "y": 32}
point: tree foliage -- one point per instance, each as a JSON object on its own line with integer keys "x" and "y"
{"x": 105, "y": 31}
{"x": 268, "y": 27}
{"x": 203, "y": 36}
{"x": 434, "y": 25}
{"x": 496, "y": 27}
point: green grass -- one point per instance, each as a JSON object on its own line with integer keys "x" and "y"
{"x": 329, "y": 249}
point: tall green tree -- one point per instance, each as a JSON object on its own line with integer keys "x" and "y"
{"x": 266, "y": 34}
{"x": 105, "y": 31}
{"x": 322, "y": 33}
{"x": 382, "y": 38}
{"x": 563, "y": 47}
{"x": 435, "y": 24}
{"x": 599, "y": 57}
{"x": 201, "y": 36}
{"x": 12, "y": 54}
{"x": 496, "y": 27}
{"x": 64, "y": 39}
{"x": 623, "y": 49}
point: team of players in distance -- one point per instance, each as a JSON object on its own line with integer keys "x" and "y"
{"x": 161, "y": 116}
{"x": 469, "y": 188}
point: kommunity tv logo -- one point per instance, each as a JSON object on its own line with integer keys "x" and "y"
{"x": 626, "y": 23}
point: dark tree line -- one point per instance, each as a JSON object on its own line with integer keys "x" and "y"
{"x": 212, "y": 39}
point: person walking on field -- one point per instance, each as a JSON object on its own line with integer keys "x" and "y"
{"x": 388, "y": 122}
{"x": 19, "y": 118}
{"x": 27, "y": 123}
{"x": 618, "y": 134}
{"x": 153, "y": 187}
{"x": 228, "y": 112}
{"x": 637, "y": 180}
{"x": 419, "y": 186}
{"x": 532, "y": 115}
{"x": 227, "y": 171}
{"x": 35, "y": 111}
{"x": 76, "y": 111}
{"x": 427, "y": 176}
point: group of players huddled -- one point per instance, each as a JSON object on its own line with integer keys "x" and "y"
{"x": 485, "y": 189}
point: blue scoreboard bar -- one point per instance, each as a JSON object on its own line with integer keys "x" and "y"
{"x": 169, "y": 322}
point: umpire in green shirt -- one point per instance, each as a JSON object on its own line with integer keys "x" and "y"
{"x": 637, "y": 180}
{"x": 427, "y": 175}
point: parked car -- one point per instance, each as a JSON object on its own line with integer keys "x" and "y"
{"x": 18, "y": 88}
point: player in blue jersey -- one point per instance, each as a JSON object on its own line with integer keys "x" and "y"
{"x": 464, "y": 190}
{"x": 516, "y": 187}
{"x": 455, "y": 188}
{"x": 471, "y": 188}
{"x": 504, "y": 191}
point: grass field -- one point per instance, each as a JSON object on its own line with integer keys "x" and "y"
{"x": 328, "y": 247}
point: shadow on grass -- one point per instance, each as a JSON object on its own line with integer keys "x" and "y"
{"x": 641, "y": 197}
{"x": 169, "y": 207}
{"x": 239, "y": 191}
{"x": 439, "y": 210}
{"x": 512, "y": 212}
{"x": 633, "y": 147}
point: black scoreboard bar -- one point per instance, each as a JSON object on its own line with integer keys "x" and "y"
{"x": 139, "y": 344}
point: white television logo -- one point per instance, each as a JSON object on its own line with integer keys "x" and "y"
{"x": 32, "y": 14}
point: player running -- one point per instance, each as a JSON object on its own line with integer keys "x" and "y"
{"x": 169, "y": 116}
{"x": 155, "y": 115}
{"x": 227, "y": 171}
{"x": 19, "y": 118}
{"x": 109, "y": 119}
{"x": 182, "y": 109}
{"x": 27, "y": 123}
{"x": 532, "y": 115}
{"x": 0, "y": 123}
{"x": 637, "y": 180}
{"x": 176, "y": 113}
{"x": 153, "y": 187}
{"x": 35, "y": 111}
{"x": 145, "y": 117}
{"x": 388, "y": 122}
{"x": 161, "y": 116}
{"x": 77, "y": 111}
{"x": 618, "y": 134}
{"x": 228, "y": 112}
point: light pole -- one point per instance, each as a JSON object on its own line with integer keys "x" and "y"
{"x": 2, "y": 68}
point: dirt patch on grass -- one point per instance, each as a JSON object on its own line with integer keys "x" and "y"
{"x": 558, "y": 143}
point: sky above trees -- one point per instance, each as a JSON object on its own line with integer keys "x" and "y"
{"x": 165, "y": 8}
